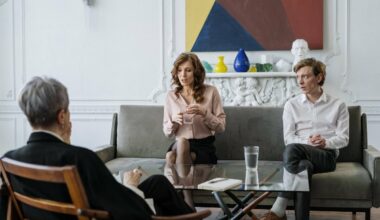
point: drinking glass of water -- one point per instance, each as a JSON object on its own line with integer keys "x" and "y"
{"x": 251, "y": 155}
{"x": 188, "y": 118}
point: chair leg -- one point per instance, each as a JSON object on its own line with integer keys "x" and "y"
{"x": 368, "y": 214}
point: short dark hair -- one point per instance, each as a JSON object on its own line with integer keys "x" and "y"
{"x": 317, "y": 67}
{"x": 41, "y": 99}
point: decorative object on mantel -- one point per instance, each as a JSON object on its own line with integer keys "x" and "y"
{"x": 261, "y": 88}
{"x": 207, "y": 66}
{"x": 266, "y": 67}
{"x": 220, "y": 67}
{"x": 283, "y": 66}
{"x": 252, "y": 68}
{"x": 266, "y": 64}
{"x": 258, "y": 89}
{"x": 241, "y": 63}
{"x": 300, "y": 49}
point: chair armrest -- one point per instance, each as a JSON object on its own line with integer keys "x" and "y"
{"x": 192, "y": 216}
{"x": 371, "y": 162}
{"x": 106, "y": 152}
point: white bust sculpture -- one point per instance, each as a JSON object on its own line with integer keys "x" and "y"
{"x": 300, "y": 49}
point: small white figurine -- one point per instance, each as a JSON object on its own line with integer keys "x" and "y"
{"x": 283, "y": 66}
{"x": 300, "y": 49}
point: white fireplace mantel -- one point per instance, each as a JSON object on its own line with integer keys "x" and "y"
{"x": 254, "y": 88}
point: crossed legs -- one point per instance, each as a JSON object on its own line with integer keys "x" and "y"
{"x": 181, "y": 156}
{"x": 297, "y": 158}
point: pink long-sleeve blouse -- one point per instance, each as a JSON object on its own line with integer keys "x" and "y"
{"x": 203, "y": 126}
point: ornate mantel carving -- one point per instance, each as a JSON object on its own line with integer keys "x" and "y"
{"x": 254, "y": 89}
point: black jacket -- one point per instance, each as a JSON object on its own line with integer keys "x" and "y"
{"x": 102, "y": 190}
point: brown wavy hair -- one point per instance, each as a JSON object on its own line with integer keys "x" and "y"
{"x": 199, "y": 75}
{"x": 317, "y": 67}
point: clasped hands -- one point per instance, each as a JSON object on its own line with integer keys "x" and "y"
{"x": 190, "y": 109}
{"x": 317, "y": 140}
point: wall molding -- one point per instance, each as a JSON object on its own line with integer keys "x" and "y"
{"x": 346, "y": 74}
{"x": 162, "y": 88}
{"x": 14, "y": 122}
{"x": 337, "y": 50}
{"x": 10, "y": 96}
{"x": 353, "y": 97}
{"x": 371, "y": 110}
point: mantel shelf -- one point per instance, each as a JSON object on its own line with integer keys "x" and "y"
{"x": 250, "y": 74}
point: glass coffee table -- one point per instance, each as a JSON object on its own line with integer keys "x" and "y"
{"x": 267, "y": 179}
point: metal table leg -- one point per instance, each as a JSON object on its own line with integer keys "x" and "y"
{"x": 240, "y": 204}
{"x": 222, "y": 205}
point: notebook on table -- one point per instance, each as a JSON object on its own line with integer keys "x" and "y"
{"x": 220, "y": 184}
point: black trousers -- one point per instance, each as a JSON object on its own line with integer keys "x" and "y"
{"x": 166, "y": 199}
{"x": 300, "y": 157}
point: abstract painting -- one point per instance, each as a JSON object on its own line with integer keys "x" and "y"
{"x": 255, "y": 25}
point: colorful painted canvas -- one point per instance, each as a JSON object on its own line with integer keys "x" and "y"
{"x": 255, "y": 25}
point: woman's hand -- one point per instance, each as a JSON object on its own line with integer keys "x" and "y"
{"x": 196, "y": 109}
{"x": 178, "y": 118}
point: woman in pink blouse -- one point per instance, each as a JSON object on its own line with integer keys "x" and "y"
{"x": 193, "y": 113}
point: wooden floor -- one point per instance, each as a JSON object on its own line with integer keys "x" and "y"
{"x": 314, "y": 215}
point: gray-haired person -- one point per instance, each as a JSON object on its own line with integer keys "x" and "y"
{"x": 316, "y": 125}
{"x": 45, "y": 102}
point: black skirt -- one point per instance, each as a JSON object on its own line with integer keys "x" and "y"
{"x": 204, "y": 150}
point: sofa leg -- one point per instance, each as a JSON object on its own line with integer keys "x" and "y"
{"x": 354, "y": 212}
{"x": 368, "y": 214}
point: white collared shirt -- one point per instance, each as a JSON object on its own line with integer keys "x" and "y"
{"x": 328, "y": 117}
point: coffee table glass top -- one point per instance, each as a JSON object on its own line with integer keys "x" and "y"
{"x": 268, "y": 177}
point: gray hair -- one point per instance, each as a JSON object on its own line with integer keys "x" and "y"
{"x": 41, "y": 99}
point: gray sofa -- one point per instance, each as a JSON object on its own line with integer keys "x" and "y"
{"x": 354, "y": 185}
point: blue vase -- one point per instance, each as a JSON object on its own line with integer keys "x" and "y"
{"x": 241, "y": 63}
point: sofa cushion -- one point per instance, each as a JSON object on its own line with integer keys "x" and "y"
{"x": 348, "y": 181}
{"x": 139, "y": 132}
{"x": 260, "y": 126}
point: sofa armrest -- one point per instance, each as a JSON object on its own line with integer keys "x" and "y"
{"x": 371, "y": 162}
{"x": 106, "y": 152}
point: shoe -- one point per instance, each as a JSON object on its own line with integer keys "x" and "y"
{"x": 271, "y": 216}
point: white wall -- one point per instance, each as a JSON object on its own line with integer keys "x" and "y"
{"x": 120, "y": 51}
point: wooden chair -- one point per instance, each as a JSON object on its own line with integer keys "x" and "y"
{"x": 69, "y": 176}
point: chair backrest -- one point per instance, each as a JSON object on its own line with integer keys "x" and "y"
{"x": 67, "y": 175}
